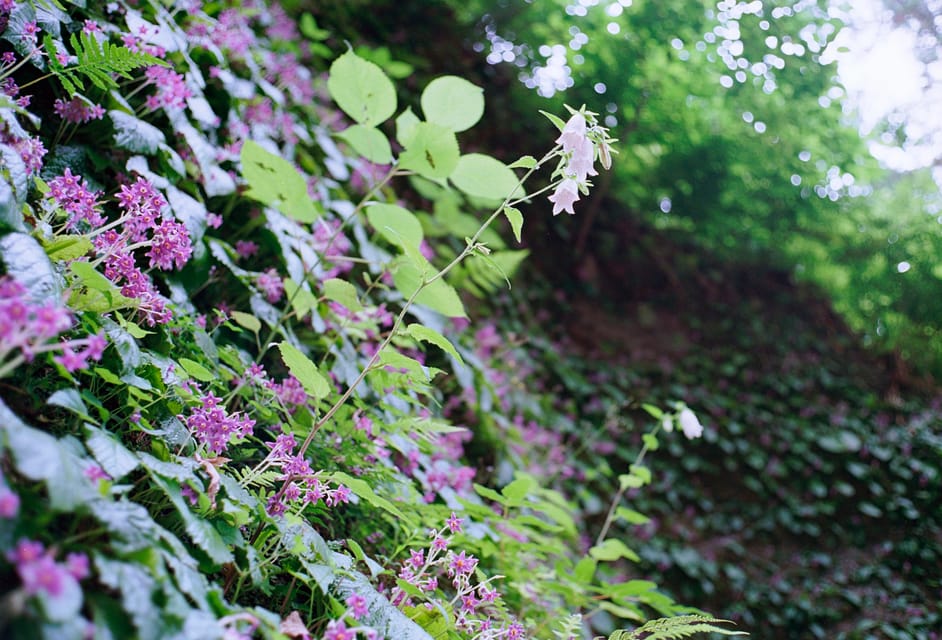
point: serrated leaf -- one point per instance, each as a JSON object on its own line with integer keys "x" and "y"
{"x": 134, "y": 134}
{"x": 304, "y": 370}
{"x": 26, "y": 262}
{"x": 453, "y": 102}
{"x": 361, "y": 89}
{"x": 515, "y": 218}
{"x": 369, "y": 142}
{"x": 113, "y": 456}
{"x": 612, "y": 549}
{"x": 425, "y": 334}
{"x": 343, "y": 292}
{"x": 276, "y": 182}
{"x": 431, "y": 151}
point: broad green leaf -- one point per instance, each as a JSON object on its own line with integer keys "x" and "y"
{"x": 343, "y": 292}
{"x": 68, "y": 247}
{"x": 612, "y": 549}
{"x": 274, "y": 181}
{"x": 453, "y": 102}
{"x": 488, "y": 493}
{"x": 361, "y": 89}
{"x": 515, "y": 218}
{"x": 200, "y": 530}
{"x": 431, "y": 150}
{"x": 134, "y": 134}
{"x": 585, "y": 570}
{"x": 439, "y": 296}
{"x": 425, "y": 334}
{"x": 26, "y": 262}
{"x": 399, "y": 226}
{"x": 517, "y": 490}
{"x": 482, "y": 176}
{"x": 113, "y": 456}
{"x": 369, "y": 142}
{"x": 310, "y": 30}
{"x": 650, "y": 441}
{"x": 246, "y": 321}
{"x": 196, "y": 370}
{"x": 304, "y": 370}
{"x": 302, "y": 300}
{"x": 39, "y": 456}
{"x": 70, "y": 399}
{"x": 405, "y": 126}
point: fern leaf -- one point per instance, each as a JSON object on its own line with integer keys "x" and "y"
{"x": 676, "y": 627}
{"x": 98, "y": 61}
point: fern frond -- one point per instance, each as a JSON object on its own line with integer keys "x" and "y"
{"x": 569, "y": 627}
{"x": 98, "y": 61}
{"x": 676, "y": 627}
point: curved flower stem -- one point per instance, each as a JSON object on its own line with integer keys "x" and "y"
{"x": 469, "y": 248}
{"x": 610, "y": 516}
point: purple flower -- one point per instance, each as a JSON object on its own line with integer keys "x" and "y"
{"x": 9, "y": 503}
{"x": 357, "y": 605}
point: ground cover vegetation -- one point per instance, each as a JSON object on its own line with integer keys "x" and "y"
{"x": 230, "y": 293}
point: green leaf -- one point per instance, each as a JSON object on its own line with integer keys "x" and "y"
{"x": 304, "y": 370}
{"x": 517, "y": 490}
{"x": 524, "y": 162}
{"x": 302, "y": 300}
{"x": 676, "y": 627}
{"x": 431, "y": 150}
{"x": 418, "y": 373}
{"x": 515, "y": 218}
{"x": 200, "y": 530}
{"x": 134, "y": 134}
{"x": 362, "y": 489}
{"x": 27, "y": 263}
{"x": 361, "y": 89}
{"x": 343, "y": 292}
{"x": 369, "y": 142}
{"x": 68, "y": 247}
{"x": 585, "y": 570}
{"x": 39, "y": 456}
{"x": 196, "y": 370}
{"x": 650, "y": 441}
{"x": 70, "y": 399}
{"x": 113, "y": 456}
{"x": 310, "y": 30}
{"x": 399, "y": 226}
{"x": 405, "y": 126}
{"x": 488, "y": 493}
{"x": 274, "y": 181}
{"x": 453, "y": 102}
{"x": 482, "y": 176}
{"x": 556, "y": 120}
{"x": 439, "y": 295}
{"x": 631, "y": 516}
{"x": 246, "y": 321}
{"x": 425, "y": 334}
{"x": 613, "y": 549}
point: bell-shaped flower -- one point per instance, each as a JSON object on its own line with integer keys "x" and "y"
{"x": 690, "y": 424}
{"x": 573, "y": 133}
{"x": 567, "y": 192}
{"x": 583, "y": 157}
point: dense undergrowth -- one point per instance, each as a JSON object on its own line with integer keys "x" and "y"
{"x": 224, "y": 411}
{"x": 810, "y": 507}
{"x": 266, "y": 416}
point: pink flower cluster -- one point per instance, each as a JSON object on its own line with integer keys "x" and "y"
{"x": 214, "y": 428}
{"x": 303, "y": 485}
{"x": 71, "y": 193}
{"x": 172, "y": 91}
{"x": 579, "y": 151}
{"x": 40, "y": 573}
{"x": 477, "y": 606}
{"x": 78, "y": 111}
{"x": 28, "y": 327}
